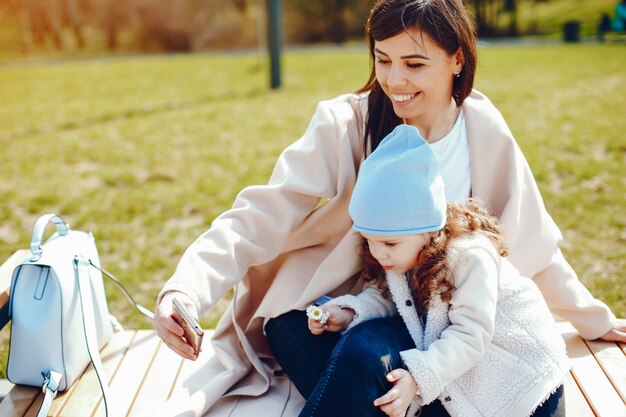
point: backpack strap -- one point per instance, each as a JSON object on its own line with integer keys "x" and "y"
{"x": 143, "y": 310}
{"x": 81, "y": 271}
{"x": 50, "y": 387}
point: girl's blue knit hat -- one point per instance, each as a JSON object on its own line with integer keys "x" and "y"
{"x": 399, "y": 190}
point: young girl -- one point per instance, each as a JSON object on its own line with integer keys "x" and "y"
{"x": 484, "y": 340}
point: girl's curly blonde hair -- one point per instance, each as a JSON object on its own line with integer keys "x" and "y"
{"x": 432, "y": 272}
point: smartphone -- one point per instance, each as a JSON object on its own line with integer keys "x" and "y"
{"x": 193, "y": 332}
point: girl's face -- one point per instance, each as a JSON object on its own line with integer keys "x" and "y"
{"x": 397, "y": 253}
{"x": 416, "y": 74}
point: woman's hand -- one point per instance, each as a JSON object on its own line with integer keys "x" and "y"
{"x": 395, "y": 402}
{"x": 617, "y": 333}
{"x": 338, "y": 320}
{"x": 169, "y": 330}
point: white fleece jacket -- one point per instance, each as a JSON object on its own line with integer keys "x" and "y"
{"x": 493, "y": 350}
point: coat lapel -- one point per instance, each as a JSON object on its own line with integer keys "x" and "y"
{"x": 437, "y": 319}
{"x": 437, "y": 316}
{"x": 404, "y": 302}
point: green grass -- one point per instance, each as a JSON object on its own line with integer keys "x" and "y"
{"x": 146, "y": 151}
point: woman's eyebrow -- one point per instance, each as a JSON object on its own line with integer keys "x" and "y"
{"x": 380, "y": 52}
{"x": 420, "y": 56}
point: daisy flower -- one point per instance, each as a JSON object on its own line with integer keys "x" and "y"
{"x": 316, "y": 313}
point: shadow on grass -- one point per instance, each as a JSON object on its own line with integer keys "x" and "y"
{"x": 130, "y": 114}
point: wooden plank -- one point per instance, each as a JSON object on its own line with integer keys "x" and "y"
{"x": 590, "y": 377}
{"x": 62, "y": 398}
{"x": 575, "y": 402}
{"x": 32, "y": 411}
{"x": 86, "y": 392}
{"x": 613, "y": 361}
{"x": 158, "y": 383}
{"x": 6, "y": 273}
{"x": 190, "y": 367}
{"x": 18, "y": 401}
{"x": 6, "y": 270}
{"x": 128, "y": 379}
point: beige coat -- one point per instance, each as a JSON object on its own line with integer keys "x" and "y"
{"x": 284, "y": 244}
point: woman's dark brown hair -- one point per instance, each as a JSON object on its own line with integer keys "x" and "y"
{"x": 432, "y": 272}
{"x": 446, "y": 22}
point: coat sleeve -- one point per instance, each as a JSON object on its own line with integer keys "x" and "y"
{"x": 568, "y": 298}
{"x": 503, "y": 179}
{"x": 472, "y": 319}
{"x": 565, "y": 295}
{"x": 255, "y": 230}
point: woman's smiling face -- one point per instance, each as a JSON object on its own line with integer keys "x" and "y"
{"x": 416, "y": 74}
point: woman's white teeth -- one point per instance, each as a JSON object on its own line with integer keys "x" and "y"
{"x": 403, "y": 97}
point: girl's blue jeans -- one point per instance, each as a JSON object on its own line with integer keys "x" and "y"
{"x": 342, "y": 375}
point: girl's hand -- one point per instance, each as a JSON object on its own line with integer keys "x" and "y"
{"x": 338, "y": 320}
{"x": 395, "y": 402}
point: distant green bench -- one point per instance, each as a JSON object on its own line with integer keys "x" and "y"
{"x": 143, "y": 372}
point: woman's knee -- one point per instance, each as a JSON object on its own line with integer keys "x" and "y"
{"x": 290, "y": 322}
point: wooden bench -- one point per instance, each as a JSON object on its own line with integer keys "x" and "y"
{"x": 143, "y": 372}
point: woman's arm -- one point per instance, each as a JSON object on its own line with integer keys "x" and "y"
{"x": 501, "y": 177}
{"x": 257, "y": 228}
{"x": 568, "y": 298}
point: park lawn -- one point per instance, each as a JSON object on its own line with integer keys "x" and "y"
{"x": 145, "y": 151}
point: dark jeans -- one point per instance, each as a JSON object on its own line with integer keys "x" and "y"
{"x": 339, "y": 375}
{"x": 554, "y": 406}
{"x": 343, "y": 375}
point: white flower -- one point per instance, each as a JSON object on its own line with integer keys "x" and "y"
{"x": 316, "y": 313}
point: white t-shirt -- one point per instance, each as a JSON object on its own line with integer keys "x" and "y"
{"x": 454, "y": 161}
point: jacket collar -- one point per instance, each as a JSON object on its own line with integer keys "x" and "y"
{"x": 436, "y": 317}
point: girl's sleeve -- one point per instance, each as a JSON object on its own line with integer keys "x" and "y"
{"x": 255, "y": 230}
{"x": 368, "y": 304}
{"x": 472, "y": 317}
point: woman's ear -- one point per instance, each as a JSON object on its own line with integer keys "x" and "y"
{"x": 459, "y": 58}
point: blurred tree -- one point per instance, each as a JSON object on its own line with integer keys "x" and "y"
{"x": 39, "y": 20}
{"x": 489, "y": 14}
{"x": 326, "y": 20}
{"x": 21, "y": 23}
{"x": 174, "y": 25}
{"x": 510, "y": 6}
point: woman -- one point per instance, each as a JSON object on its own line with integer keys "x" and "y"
{"x": 280, "y": 248}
